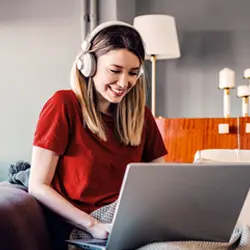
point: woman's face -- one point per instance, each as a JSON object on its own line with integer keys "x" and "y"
{"x": 117, "y": 73}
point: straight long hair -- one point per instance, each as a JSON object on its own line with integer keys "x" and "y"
{"x": 130, "y": 112}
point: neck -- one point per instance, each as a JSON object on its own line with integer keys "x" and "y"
{"x": 104, "y": 108}
{"x": 107, "y": 108}
{"x": 103, "y": 105}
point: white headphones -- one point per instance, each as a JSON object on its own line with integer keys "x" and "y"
{"x": 86, "y": 62}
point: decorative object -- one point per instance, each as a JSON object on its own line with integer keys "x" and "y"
{"x": 223, "y": 128}
{"x": 247, "y": 74}
{"x": 161, "y": 40}
{"x": 226, "y": 82}
{"x": 246, "y": 100}
{"x": 247, "y": 128}
{"x": 243, "y": 92}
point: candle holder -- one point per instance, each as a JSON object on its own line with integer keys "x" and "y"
{"x": 247, "y": 75}
{"x": 243, "y": 92}
{"x": 226, "y": 82}
{"x": 226, "y": 102}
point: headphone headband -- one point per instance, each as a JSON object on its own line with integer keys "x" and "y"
{"x": 86, "y": 63}
{"x": 86, "y": 44}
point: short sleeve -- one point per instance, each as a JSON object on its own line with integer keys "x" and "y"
{"x": 154, "y": 146}
{"x": 52, "y": 130}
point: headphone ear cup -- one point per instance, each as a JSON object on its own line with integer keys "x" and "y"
{"x": 141, "y": 72}
{"x": 87, "y": 64}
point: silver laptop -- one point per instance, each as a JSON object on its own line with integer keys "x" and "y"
{"x": 173, "y": 202}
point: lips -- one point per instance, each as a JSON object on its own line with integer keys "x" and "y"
{"x": 117, "y": 92}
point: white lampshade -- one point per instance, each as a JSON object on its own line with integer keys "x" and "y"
{"x": 159, "y": 34}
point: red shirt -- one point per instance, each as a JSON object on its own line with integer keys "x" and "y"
{"x": 90, "y": 171}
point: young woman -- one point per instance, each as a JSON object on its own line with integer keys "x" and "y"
{"x": 86, "y": 136}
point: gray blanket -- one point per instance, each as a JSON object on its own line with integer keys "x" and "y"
{"x": 19, "y": 174}
{"x": 240, "y": 240}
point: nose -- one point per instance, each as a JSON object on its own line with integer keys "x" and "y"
{"x": 123, "y": 81}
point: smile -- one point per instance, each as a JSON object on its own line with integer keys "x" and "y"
{"x": 118, "y": 92}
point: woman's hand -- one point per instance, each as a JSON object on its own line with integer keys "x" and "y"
{"x": 99, "y": 230}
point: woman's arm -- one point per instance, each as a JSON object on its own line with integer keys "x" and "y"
{"x": 159, "y": 160}
{"x": 43, "y": 167}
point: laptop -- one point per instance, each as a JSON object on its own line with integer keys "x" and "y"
{"x": 175, "y": 202}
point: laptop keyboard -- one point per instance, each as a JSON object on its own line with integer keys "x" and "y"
{"x": 97, "y": 242}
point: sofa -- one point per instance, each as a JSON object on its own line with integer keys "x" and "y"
{"x": 27, "y": 225}
{"x": 22, "y": 224}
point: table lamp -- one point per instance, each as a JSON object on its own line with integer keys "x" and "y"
{"x": 160, "y": 36}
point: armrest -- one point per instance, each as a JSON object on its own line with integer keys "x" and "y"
{"x": 22, "y": 223}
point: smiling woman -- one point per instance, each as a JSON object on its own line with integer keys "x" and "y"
{"x": 117, "y": 74}
{"x": 85, "y": 137}
{"x": 107, "y": 47}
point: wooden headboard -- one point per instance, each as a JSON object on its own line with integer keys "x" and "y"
{"x": 184, "y": 136}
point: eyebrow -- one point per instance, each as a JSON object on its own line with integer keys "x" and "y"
{"x": 118, "y": 66}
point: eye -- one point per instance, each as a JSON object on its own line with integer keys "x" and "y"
{"x": 115, "y": 71}
{"x": 134, "y": 73}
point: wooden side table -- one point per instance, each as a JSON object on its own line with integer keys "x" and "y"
{"x": 184, "y": 136}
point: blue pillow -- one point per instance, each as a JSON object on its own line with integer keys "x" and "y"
{"x": 4, "y": 169}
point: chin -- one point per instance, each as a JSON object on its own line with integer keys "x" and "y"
{"x": 115, "y": 101}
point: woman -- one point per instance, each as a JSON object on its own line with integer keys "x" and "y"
{"x": 85, "y": 137}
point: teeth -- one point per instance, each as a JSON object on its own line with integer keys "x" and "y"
{"x": 117, "y": 91}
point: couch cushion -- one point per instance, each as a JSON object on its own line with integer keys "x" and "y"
{"x": 222, "y": 155}
{"x": 4, "y": 168}
{"x": 22, "y": 225}
{"x": 215, "y": 156}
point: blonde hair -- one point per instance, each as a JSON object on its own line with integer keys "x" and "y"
{"x": 130, "y": 112}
